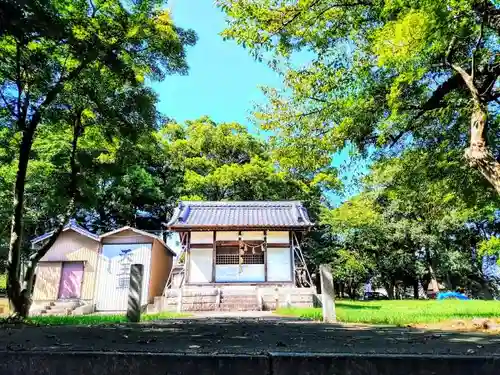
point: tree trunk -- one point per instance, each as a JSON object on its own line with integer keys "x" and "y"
{"x": 389, "y": 287}
{"x": 19, "y": 300}
{"x": 416, "y": 288}
{"x": 478, "y": 153}
{"x": 20, "y": 294}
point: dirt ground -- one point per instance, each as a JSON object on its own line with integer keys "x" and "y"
{"x": 217, "y": 335}
{"x": 489, "y": 326}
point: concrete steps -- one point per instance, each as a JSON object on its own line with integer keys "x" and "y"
{"x": 235, "y": 302}
{"x": 233, "y": 299}
{"x": 57, "y": 308}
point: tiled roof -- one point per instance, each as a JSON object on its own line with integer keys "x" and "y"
{"x": 261, "y": 214}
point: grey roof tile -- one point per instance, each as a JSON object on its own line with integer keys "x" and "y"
{"x": 192, "y": 214}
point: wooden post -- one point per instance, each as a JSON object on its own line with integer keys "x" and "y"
{"x": 214, "y": 256}
{"x": 328, "y": 294}
{"x": 135, "y": 293}
{"x": 292, "y": 264}
{"x": 265, "y": 256}
{"x": 187, "y": 258}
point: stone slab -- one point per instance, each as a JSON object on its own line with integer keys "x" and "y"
{"x": 275, "y": 363}
{"x": 386, "y": 364}
{"x": 95, "y": 363}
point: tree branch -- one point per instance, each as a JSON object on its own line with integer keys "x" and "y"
{"x": 468, "y": 81}
{"x": 478, "y": 42}
{"x": 11, "y": 110}
{"x": 317, "y": 99}
{"x": 287, "y": 22}
{"x": 18, "y": 79}
{"x": 455, "y": 82}
{"x": 449, "y": 50}
{"x": 26, "y": 103}
{"x": 467, "y": 78}
{"x": 412, "y": 127}
{"x": 94, "y": 8}
{"x": 492, "y": 15}
{"x": 52, "y": 94}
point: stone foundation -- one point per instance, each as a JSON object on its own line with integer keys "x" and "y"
{"x": 233, "y": 298}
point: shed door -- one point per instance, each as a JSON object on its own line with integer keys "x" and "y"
{"x": 279, "y": 266}
{"x": 70, "y": 285}
{"x": 114, "y": 274}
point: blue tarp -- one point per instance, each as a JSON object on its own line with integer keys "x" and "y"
{"x": 455, "y": 295}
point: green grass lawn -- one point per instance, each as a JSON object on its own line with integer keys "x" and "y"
{"x": 402, "y": 312}
{"x": 97, "y": 319}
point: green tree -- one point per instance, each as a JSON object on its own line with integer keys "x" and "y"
{"x": 77, "y": 64}
{"x": 380, "y": 73}
{"x": 419, "y": 217}
{"x": 225, "y": 162}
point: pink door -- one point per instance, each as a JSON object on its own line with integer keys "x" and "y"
{"x": 71, "y": 280}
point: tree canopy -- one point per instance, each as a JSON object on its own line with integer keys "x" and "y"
{"x": 78, "y": 64}
{"x": 418, "y": 218}
{"x": 383, "y": 74}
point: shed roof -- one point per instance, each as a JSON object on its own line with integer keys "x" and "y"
{"x": 140, "y": 232}
{"x": 242, "y": 214}
{"x": 72, "y": 225}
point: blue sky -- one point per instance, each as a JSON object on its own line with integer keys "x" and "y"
{"x": 223, "y": 80}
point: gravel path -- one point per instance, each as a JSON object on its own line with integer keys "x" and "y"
{"x": 245, "y": 335}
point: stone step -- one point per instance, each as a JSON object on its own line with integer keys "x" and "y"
{"x": 239, "y": 300}
{"x": 240, "y": 303}
{"x": 249, "y": 293}
{"x": 239, "y": 308}
{"x": 66, "y": 304}
{"x": 57, "y": 310}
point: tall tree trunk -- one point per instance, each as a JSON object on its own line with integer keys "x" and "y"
{"x": 14, "y": 290}
{"x": 20, "y": 293}
{"x": 416, "y": 288}
{"x": 478, "y": 153}
{"x": 389, "y": 287}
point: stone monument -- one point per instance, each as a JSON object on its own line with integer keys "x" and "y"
{"x": 135, "y": 293}
{"x": 328, "y": 294}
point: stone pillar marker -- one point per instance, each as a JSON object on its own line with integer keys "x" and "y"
{"x": 327, "y": 294}
{"x": 134, "y": 293}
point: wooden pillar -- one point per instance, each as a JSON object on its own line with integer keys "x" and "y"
{"x": 291, "y": 250}
{"x": 327, "y": 294}
{"x": 240, "y": 256}
{"x": 265, "y": 255}
{"x": 188, "y": 255}
{"x": 214, "y": 256}
{"x": 135, "y": 293}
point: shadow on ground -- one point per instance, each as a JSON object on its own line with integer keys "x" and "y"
{"x": 249, "y": 336}
{"x": 365, "y": 306}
